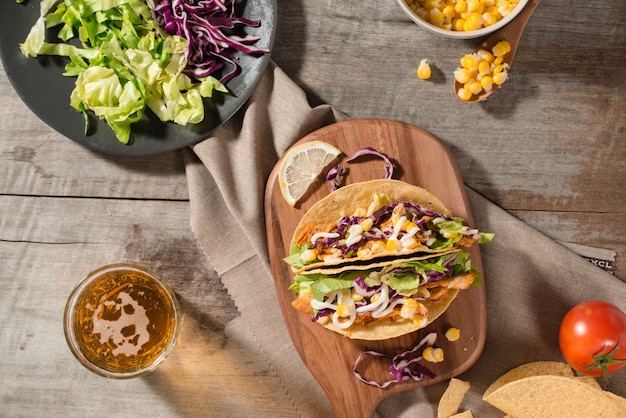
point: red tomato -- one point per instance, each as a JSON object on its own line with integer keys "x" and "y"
{"x": 592, "y": 338}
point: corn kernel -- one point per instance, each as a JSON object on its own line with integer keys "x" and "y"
{"x": 474, "y": 21}
{"x": 436, "y": 17}
{"x": 378, "y": 247}
{"x": 423, "y": 70}
{"x": 460, "y": 6}
{"x": 464, "y": 94}
{"x": 469, "y": 62}
{"x": 366, "y": 224}
{"x": 356, "y": 297}
{"x": 489, "y": 18}
{"x": 473, "y": 5}
{"x": 484, "y": 68}
{"x": 408, "y": 308}
{"x": 458, "y": 24}
{"x": 453, "y": 334}
{"x": 431, "y": 4}
{"x": 433, "y": 355}
{"x": 501, "y": 48}
{"x": 500, "y": 78}
{"x": 487, "y": 83}
{"x": 462, "y": 75}
{"x": 420, "y": 321}
{"x": 308, "y": 255}
{"x": 448, "y": 11}
{"x": 392, "y": 245}
{"x": 475, "y": 88}
{"x": 484, "y": 55}
{"x": 343, "y": 309}
{"x": 498, "y": 60}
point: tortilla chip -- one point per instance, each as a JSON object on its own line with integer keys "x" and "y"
{"x": 553, "y": 396}
{"x": 537, "y": 368}
{"x": 464, "y": 414}
{"x": 452, "y": 398}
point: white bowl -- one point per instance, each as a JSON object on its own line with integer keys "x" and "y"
{"x": 458, "y": 34}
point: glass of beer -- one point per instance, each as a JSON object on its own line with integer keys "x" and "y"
{"x": 121, "y": 321}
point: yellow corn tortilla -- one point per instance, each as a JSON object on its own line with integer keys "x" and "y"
{"x": 554, "y": 396}
{"x": 537, "y": 368}
{"x": 391, "y": 328}
{"x": 348, "y": 199}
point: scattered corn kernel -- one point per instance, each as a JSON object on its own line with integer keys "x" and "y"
{"x": 453, "y": 334}
{"x": 433, "y": 355}
{"x": 423, "y": 70}
{"x": 482, "y": 71}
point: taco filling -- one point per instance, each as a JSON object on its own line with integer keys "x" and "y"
{"x": 383, "y": 229}
{"x": 400, "y": 297}
{"x": 380, "y": 259}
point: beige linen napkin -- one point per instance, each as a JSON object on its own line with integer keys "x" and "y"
{"x": 531, "y": 281}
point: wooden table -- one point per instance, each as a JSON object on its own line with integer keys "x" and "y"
{"x": 548, "y": 147}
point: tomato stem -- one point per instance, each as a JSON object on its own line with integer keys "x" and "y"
{"x": 603, "y": 360}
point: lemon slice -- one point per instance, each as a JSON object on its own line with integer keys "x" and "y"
{"x": 301, "y": 166}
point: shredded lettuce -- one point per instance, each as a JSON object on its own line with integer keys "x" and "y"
{"x": 124, "y": 63}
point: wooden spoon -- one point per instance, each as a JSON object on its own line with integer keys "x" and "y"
{"x": 512, "y": 33}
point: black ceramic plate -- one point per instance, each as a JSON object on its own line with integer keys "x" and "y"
{"x": 41, "y": 85}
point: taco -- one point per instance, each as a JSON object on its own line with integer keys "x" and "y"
{"x": 380, "y": 259}
{"x": 373, "y": 220}
{"x": 387, "y": 300}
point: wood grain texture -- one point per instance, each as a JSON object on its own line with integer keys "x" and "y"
{"x": 424, "y": 161}
{"x": 548, "y": 148}
{"x": 51, "y": 246}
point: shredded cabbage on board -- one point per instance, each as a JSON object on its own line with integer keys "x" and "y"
{"x": 124, "y": 61}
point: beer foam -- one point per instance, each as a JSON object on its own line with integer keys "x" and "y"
{"x": 132, "y": 315}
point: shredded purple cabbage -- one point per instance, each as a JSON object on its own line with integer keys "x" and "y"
{"x": 337, "y": 173}
{"x": 210, "y": 26}
{"x": 402, "y": 367}
{"x": 371, "y": 151}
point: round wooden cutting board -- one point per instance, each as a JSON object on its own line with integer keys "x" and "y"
{"x": 420, "y": 159}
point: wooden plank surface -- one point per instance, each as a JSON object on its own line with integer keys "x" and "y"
{"x": 56, "y": 241}
{"x": 548, "y": 148}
